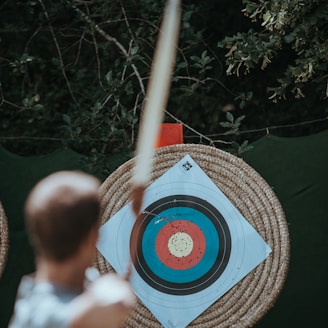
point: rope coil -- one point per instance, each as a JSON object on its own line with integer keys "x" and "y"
{"x": 4, "y": 239}
{"x": 249, "y": 300}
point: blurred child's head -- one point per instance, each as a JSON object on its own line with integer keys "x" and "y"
{"x": 61, "y": 211}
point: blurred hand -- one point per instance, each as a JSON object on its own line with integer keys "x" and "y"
{"x": 106, "y": 303}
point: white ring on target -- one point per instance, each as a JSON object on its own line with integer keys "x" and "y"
{"x": 180, "y": 244}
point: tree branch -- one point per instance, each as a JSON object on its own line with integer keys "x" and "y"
{"x": 59, "y": 52}
{"x": 110, "y": 39}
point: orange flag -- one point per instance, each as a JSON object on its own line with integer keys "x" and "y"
{"x": 169, "y": 134}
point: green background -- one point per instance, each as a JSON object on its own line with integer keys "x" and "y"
{"x": 294, "y": 167}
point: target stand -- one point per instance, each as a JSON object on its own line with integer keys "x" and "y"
{"x": 187, "y": 249}
{"x": 4, "y": 239}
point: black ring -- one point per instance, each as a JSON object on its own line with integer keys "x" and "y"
{"x": 202, "y": 282}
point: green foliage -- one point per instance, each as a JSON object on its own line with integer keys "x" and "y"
{"x": 296, "y": 27}
{"x": 74, "y": 73}
{"x": 232, "y": 124}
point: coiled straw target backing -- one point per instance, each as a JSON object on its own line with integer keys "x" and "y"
{"x": 4, "y": 239}
{"x": 249, "y": 300}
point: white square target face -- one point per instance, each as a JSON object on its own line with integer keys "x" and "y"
{"x": 193, "y": 245}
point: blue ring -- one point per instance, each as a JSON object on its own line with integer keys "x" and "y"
{"x": 174, "y": 214}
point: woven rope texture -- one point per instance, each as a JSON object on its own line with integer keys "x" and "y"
{"x": 249, "y": 300}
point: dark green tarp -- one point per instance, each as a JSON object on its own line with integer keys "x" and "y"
{"x": 294, "y": 167}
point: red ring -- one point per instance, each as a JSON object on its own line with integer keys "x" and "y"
{"x": 185, "y": 262}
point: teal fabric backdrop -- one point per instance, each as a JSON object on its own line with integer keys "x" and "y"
{"x": 294, "y": 167}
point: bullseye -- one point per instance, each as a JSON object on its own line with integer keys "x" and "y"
{"x": 180, "y": 244}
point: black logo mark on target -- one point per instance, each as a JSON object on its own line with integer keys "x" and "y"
{"x": 187, "y": 166}
{"x": 222, "y": 257}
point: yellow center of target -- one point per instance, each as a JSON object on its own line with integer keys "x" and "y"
{"x": 180, "y": 244}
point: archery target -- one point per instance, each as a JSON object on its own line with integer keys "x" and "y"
{"x": 188, "y": 246}
{"x": 183, "y": 244}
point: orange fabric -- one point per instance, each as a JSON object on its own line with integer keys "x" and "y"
{"x": 169, "y": 134}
